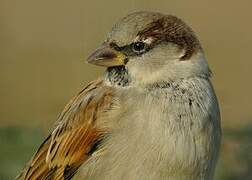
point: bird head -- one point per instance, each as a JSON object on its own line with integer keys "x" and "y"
{"x": 150, "y": 47}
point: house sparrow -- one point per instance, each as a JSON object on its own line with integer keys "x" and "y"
{"x": 152, "y": 116}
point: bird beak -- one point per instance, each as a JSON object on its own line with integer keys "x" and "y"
{"x": 106, "y": 56}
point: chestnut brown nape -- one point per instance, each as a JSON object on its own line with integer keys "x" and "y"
{"x": 172, "y": 29}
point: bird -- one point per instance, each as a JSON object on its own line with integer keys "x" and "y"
{"x": 152, "y": 115}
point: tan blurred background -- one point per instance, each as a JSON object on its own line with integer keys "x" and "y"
{"x": 43, "y": 46}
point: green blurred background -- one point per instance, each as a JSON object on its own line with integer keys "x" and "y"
{"x": 43, "y": 45}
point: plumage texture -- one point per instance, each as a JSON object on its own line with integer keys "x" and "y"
{"x": 74, "y": 136}
{"x": 166, "y": 132}
{"x": 155, "y": 117}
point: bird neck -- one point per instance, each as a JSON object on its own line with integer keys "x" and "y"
{"x": 120, "y": 77}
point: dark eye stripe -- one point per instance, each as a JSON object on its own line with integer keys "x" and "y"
{"x": 115, "y": 46}
{"x": 128, "y": 49}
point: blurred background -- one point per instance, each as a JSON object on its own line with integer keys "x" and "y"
{"x": 43, "y": 46}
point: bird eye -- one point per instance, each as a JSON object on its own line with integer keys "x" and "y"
{"x": 139, "y": 47}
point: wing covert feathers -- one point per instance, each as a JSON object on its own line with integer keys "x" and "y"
{"x": 74, "y": 138}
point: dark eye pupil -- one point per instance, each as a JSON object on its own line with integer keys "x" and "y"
{"x": 138, "y": 46}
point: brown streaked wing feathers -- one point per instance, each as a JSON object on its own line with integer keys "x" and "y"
{"x": 74, "y": 136}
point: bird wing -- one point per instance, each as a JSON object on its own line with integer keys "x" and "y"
{"x": 75, "y": 137}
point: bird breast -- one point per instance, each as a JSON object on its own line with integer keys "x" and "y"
{"x": 159, "y": 132}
